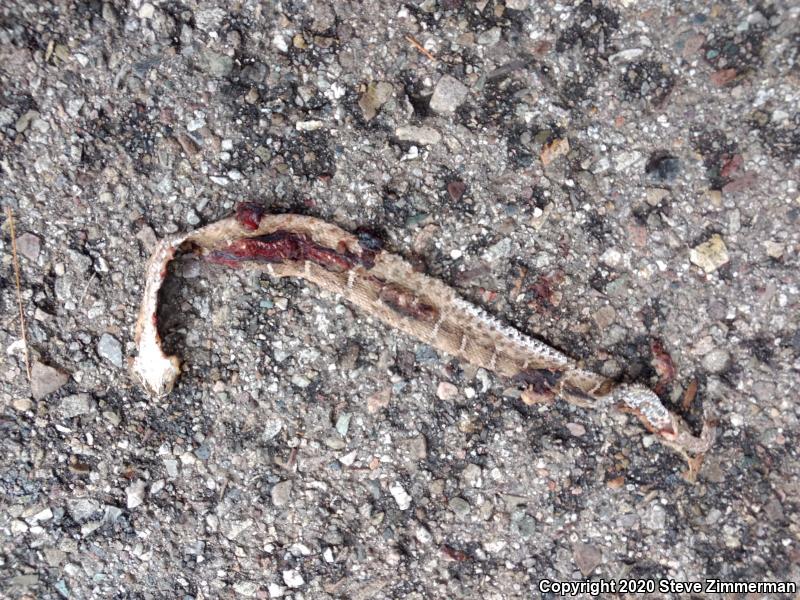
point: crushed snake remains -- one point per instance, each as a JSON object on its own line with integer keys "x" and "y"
{"x": 384, "y": 285}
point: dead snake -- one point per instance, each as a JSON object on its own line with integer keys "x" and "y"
{"x": 388, "y": 287}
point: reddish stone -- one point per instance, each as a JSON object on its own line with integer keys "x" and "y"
{"x": 723, "y": 77}
{"x": 456, "y": 190}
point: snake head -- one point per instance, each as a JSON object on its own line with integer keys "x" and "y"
{"x": 671, "y": 430}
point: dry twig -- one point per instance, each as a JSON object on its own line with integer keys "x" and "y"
{"x": 10, "y": 217}
{"x": 413, "y": 41}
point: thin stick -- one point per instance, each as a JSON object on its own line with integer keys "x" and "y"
{"x": 412, "y": 40}
{"x": 86, "y": 289}
{"x": 10, "y": 216}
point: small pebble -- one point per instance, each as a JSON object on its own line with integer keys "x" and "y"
{"x": 299, "y": 42}
{"x": 498, "y": 252}
{"x": 112, "y": 417}
{"x": 293, "y": 578}
{"x": 587, "y": 557}
{"x": 654, "y": 196}
{"x": 135, "y": 493}
{"x": 459, "y": 506}
{"x": 110, "y": 349}
{"x": 713, "y": 516}
{"x": 624, "y": 56}
{"x": 22, "y": 404}
{"x": 45, "y": 380}
{"x": 471, "y": 476}
{"x": 203, "y": 452}
{"x": 604, "y": 317}
{"x": 76, "y": 405}
{"x": 82, "y": 509}
{"x": 490, "y": 37}
{"x": 343, "y": 423}
{"x": 272, "y": 427}
{"x": 655, "y": 517}
{"x": 422, "y": 135}
{"x": 423, "y": 535}
{"x": 147, "y": 236}
{"x": 446, "y": 391}
{"x": 171, "y": 467}
{"x": 377, "y": 94}
{"x": 29, "y": 246}
{"x": 281, "y": 492}
{"x": 214, "y": 64}
{"x": 400, "y": 496}
{"x": 279, "y": 42}
{"x": 554, "y": 150}
{"x": 456, "y": 190}
{"x": 611, "y": 257}
{"x": 25, "y": 120}
{"x": 710, "y": 255}
{"x": 348, "y": 459}
{"x": 247, "y": 589}
{"x": 335, "y": 443}
{"x": 576, "y": 429}
{"x": 311, "y": 125}
{"x": 379, "y": 401}
{"x": 716, "y": 361}
{"x": 448, "y": 95}
{"x": 18, "y": 527}
{"x": 301, "y": 381}
{"x": 146, "y": 11}
{"x": 43, "y": 515}
{"x": 774, "y": 249}
{"x": 418, "y": 447}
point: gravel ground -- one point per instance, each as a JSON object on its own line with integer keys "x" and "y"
{"x": 619, "y": 178}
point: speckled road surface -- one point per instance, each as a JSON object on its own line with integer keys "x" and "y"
{"x": 617, "y": 178}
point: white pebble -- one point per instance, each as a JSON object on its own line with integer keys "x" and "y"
{"x": 293, "y": 578}
{"x": 611, "y": 257}
{"x": 400, "y": 496}
{"x": 280, "y": 42}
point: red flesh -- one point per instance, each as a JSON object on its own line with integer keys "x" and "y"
{"x": 274, "y": 248}
{"x": 282, "y": 246}
{"x": 663, "y": 364}
{"x": 452, "y": 553}
{"x": 405, "y": 302}
{"x": 248, "y": 215}
{"x": 330, "y": 259}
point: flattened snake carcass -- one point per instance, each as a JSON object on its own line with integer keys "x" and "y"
{"x": 386, "y": 286}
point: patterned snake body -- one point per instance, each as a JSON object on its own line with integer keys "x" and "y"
{"x": 386, "y": 286}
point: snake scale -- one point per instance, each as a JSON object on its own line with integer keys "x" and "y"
{"x": 386, "y": 286}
